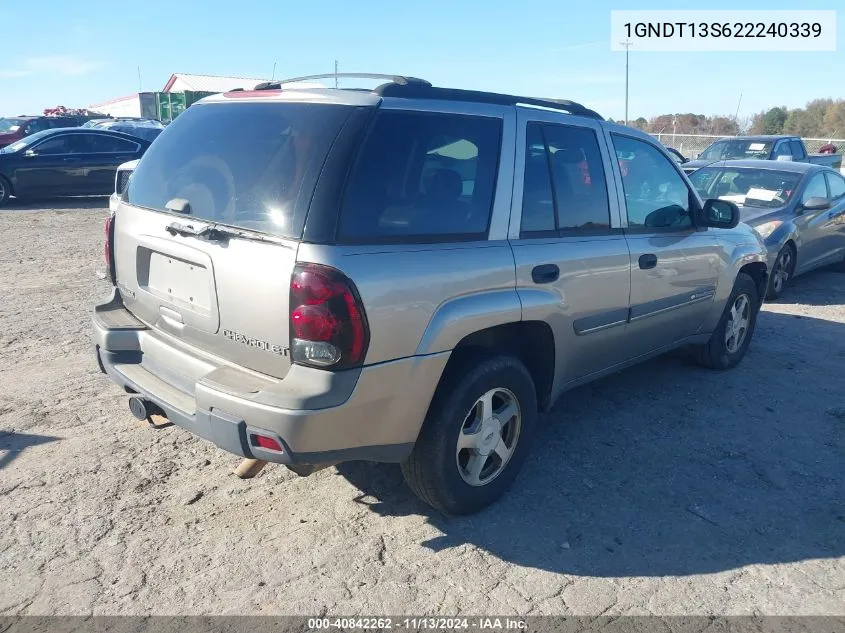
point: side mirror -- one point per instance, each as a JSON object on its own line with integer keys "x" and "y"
{"x": 30, "y": 153}
{"x": 816, "y": 204}
{"x": 719, "y": 214}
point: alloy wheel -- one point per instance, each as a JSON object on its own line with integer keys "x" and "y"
{"x": 737, "y": 325}
{"x": 488, "y": 437}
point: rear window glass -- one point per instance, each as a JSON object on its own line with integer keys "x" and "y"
{"x": 422, "y": 177}
{"x": 248, "y": 165}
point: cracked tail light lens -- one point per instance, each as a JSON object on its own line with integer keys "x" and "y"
{"x": 328, "y": 326}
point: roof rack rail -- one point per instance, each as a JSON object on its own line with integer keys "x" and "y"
{"x": 414, "y": 91}
{"x": 414, "y": 88}
{"x": 399, "y": 80}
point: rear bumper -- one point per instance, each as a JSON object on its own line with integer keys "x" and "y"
{"x": 318, "y": 417}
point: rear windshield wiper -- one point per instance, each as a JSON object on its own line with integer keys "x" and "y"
{"x": 213, "y": 232}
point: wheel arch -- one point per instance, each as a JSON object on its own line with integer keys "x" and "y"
{"x": 8, "y": 182}
{"x": 531, "y": 342}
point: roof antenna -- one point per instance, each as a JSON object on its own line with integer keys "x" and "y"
{"x": 335, "y": 74}
{"x": 274, "y": 72}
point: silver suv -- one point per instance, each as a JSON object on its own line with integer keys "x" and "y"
{"x": 408, "y": 274}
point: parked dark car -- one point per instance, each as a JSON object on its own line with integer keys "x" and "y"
{"x": 145, "y": 129}
{"x": 766, "y": 147}
{"x": 798, "y": 209}
{"x": 65, "y": 162}
{"x": 15, "y": 128}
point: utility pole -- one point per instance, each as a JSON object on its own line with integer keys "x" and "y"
{"x": 627, "y": 44}
{"x": 274, "y": 72}
{"x": 335, "y": 73}
{"x": 738, "y": 103}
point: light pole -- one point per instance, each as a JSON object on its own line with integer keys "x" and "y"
{"x": 627, "y": 44}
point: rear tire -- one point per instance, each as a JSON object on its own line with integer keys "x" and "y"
{"x": 5, "y": 191}
{"x": 782, "y": 272}
{"x": 475, "y": 437}
{"x": 732, "y": 336}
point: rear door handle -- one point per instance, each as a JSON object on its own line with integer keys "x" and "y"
{"x": 647, "y": 261}
{"x": 545, "y": 273}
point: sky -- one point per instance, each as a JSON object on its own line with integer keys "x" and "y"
{"x": 80, "y": 52}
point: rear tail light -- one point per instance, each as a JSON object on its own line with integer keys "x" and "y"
{"x": 109, "y": 247}
{"x": 328, "y": 327}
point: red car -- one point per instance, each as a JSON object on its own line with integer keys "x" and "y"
{"x": 15, "y": 128}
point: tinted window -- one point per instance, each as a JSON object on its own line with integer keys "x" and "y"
{"x": 55, "y": 145}
{"x": 837, "y": 186}
{"x": 96, "y": 143}
{"x": 538, "y": 207}
{"x": 578, "y": 178}
{"x": 656, "y": 197}
{"x": 815, "y": 188}
{"x": 422, "y": 176}
{"x": 797, "y": 149}
{"x": 250, "y": 165}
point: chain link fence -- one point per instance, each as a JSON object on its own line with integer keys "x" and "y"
{"x": 691, "y": 145}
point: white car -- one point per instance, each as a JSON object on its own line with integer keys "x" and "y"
{"x": 121, "y": 178}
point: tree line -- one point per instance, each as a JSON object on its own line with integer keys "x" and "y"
{"x": 820, "y": 118}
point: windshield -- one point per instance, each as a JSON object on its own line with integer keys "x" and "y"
{"x": 765, "y": 188}
{"x": 25, "y": 142}
{"x": 248, "y": 165}
{"x": 736, "y": 149}
{"x": 8, "y": 126}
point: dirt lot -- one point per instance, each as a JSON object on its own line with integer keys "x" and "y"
{"x": 666, "y": 489}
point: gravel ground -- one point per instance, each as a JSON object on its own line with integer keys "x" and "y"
{"x": 665, "y": 489}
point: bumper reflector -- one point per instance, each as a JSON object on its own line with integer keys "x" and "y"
{"x": 265, "y": 442}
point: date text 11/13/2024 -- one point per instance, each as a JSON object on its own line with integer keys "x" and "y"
{"x": 417, "y": 623}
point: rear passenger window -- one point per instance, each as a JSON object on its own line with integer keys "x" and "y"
{"x": 422, "y": 177}
{"x": 578, "y": 179}
{"x": 538, "y": 207}
{"x": 564, "y": 188}
{"x": 99, "y": 144}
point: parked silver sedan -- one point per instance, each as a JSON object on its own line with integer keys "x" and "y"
{"x": 797, "y": 208}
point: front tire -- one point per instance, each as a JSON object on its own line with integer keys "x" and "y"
{"x": 732, "y": 336}
{"x": 475, "y": 437}
{"x": 782, "y": 272}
